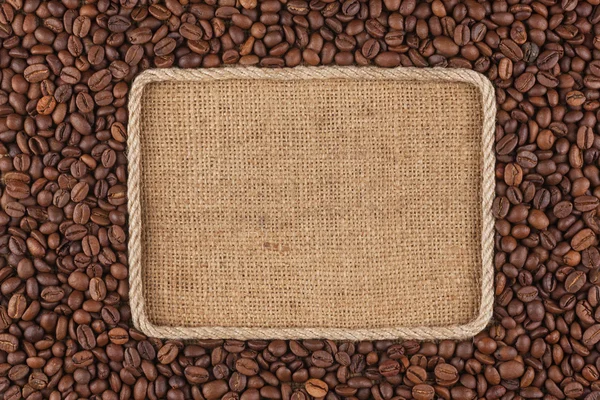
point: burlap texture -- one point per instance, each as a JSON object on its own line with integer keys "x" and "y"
{"x": 311, "y": 204}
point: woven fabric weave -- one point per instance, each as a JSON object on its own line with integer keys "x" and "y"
{"x": 308, "y": 203}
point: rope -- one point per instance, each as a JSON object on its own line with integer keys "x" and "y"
{"x": 136, "y": 297}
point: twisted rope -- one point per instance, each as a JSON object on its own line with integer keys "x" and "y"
{"x": 137, "y": 302}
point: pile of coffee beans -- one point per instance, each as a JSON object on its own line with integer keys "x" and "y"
{"x": 65, "y": 69}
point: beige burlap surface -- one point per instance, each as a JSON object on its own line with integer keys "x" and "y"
{"x": 342, "y": 204}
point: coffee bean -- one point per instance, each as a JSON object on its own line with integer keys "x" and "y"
{"x": 416, "y": 375}
{"x": 513, "y": 174}
{"x": 52, "y": 294}
{"x": 81, "y": 26}
{"x": 83, "y": 359}
{"x": 99, "y": 80}
{"x": 164, "y": 46}
{"x": 36, "y": 73}
{"x": 247, "y": 366}
{"x": 445, "y": 46}
{"x": 530, "y": 52}
{"x": 507, "y": 144}
{"x": 586, "y": 203}
{"x": 196, "y": 375}
{"x": 17, "y": 306}
{"x": 563, "y": 209}
{"x": 167, "y": 353}
{"x": 511, "y": 50}
{"x": 79, "y": 192}
{"x": 85, "y": 337}
{"x": 215, "y": 389}
{"x": 591, "y": 336}
{"x": 316, "y": 387}
{"x": 527, "y": 294}
{"x": 76, "y": 232}
{"x": 8, "y": 343}
{"x": 387, "y": 59}
{"x": 446, "y": 374}
{"x": 511, "y": 370}
{"x": 547, "y": 60}
{"x": 583, "y": 239}
{"x": 525, "y": 82}
{"x": 575, "y": 281}
{"x": 322, "y": 359}
{"x": 423, "y": 392}
{"x": 389, "y": 368}
{"x": 97, "y": 289}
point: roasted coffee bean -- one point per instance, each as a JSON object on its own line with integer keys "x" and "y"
{"x": 8, "y": 343}
{"x": 247, "y": 366}
{"x": 446, "y": 374}
{"x": 416, "y": 374}
{"x": 511, "y": 370}
{"x": 583, "y": 239}
{"x": 563, "y": 209}
{"x": 85, "y": 337}
{"x": 196, "y": 375}
{"x": 316, "y": 387}
{"x": 99, "y": 80}
{"x": 36, "y": 73}
{"x": 167, "y": 353}
{"x": 575, "y": 281}
{"x": 16, "y": 306}
{"x": 389, "y": 368}
{"x": 547, "y": 59}
{"x": 423, "y": 392}
{"x": 322, "y": 359}
{"x": 591, "y": 336}
{"x": 586, "y": 203}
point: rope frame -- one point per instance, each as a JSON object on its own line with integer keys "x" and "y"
{"x": 456, "y": 332}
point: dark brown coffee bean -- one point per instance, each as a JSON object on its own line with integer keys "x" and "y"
{"x": 196, "y": 375}
{"x": 583, "y": 239}
{"x": 445, "y": 46}
{"x": 423, "y": 392}
{"x": 547, "y": 60}
{"x": 563, "y": 209}
{"x": 8, "y": 343}
{"x": 164, "y": 46}
{"x": 322, "y": 359}
{"x": 389, "y": 368}
{"x": 85, "y": 337}
{"x": 17, "y": 306}
{"x": 214, "y": 389}
{"x": 36, "y": 73}
{"x": 387, "y": 59}
{"x": 81, "y": 26}
{"x": 247, "y": 366}
{"x": 511, "y": 50}
{"x": 591, "y": 336}
{"x": 118, "y": 24}
{"x": 507, "y": 144}
{"x": 446, "y": 374}
{"x": 99, "y": 80}
{"x": 575, "y": 281}
{"x": 83, "y": 359}
{"x": 167, "y": 353}
{"x": 416, "y": 375}
{"x": 525, "y": 82}
{"x": 97, "y": 289}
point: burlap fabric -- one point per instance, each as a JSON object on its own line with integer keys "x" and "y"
{"x": 325, "y": 205}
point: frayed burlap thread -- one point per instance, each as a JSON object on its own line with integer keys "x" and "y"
{"x": 266, "y": 203}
